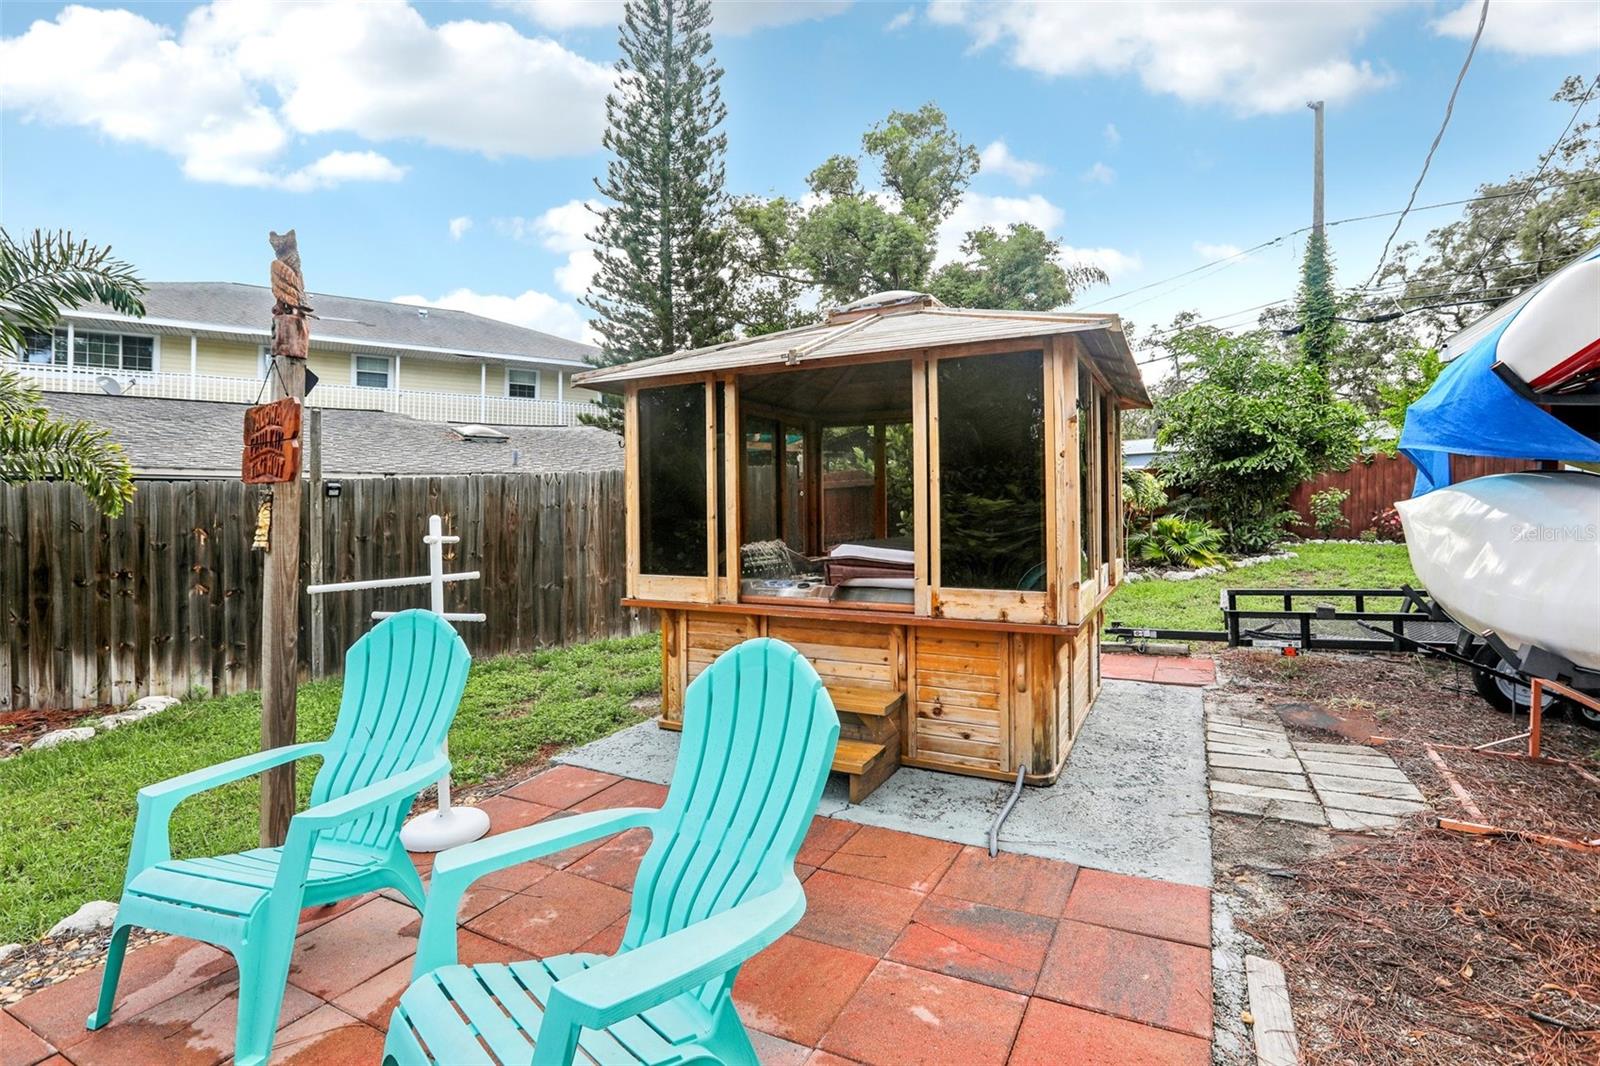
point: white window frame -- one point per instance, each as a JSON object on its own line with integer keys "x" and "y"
{"x": 389, "y": 371}
{"x": 538, "y": 382}
{"x": 72, "y": 335}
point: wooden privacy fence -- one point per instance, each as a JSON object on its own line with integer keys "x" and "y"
{"x": 1375, "y": 482}
{"x": 167, "y": 598}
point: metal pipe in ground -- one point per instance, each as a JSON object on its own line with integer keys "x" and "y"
{"x": 999, "y": 819}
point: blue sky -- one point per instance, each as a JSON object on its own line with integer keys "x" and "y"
{"x": 444, "y": 151}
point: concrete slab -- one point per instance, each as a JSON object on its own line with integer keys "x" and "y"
{"x": 1256, "y": 807}
{"x": 1262, "y": 777}
{"x": 1257, "y": 762}
{"x": 1355, "y": 757}
{"x": 1131, "y": 800}
{"x": 1347, "y": 801}
{"x": 1231, "y": 788}
{"x": 1246, "y": 731}
{"x": 1355, "y": 822}
{"x": 1338, "y": 749}
{"x": 1400, "y": 790}
{"x": 1223, "y": 747}
{"x": 1345, "y": 769}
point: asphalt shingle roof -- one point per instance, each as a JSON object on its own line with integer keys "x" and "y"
{"x": 230, "y": 305}
{"x": 195, "y": 438}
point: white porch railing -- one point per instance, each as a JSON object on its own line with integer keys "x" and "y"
{"x": 426, "y": 406}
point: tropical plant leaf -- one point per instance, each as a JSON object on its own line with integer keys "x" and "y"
{"x": 52, "y": 272}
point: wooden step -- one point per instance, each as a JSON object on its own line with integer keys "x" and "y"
{"x": 854, "y": 756}
{"x": 874, "y": 701}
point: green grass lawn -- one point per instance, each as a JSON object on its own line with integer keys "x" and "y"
{"x": 69, "y": 811}
{"x": 1196, "y": 604}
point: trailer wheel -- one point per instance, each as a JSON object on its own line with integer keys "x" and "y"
{"x": 1501, "y": 694}
{"x": 1581, "y": 713}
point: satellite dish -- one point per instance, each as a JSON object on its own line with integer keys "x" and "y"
{"x": 112, "y": 387}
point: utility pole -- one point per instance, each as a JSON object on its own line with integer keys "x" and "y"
{"x": 1316, "y": 169}
{"x": 280, "y": 609}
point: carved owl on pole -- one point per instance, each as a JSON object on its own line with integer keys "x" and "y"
{"x": 288, "y": 285}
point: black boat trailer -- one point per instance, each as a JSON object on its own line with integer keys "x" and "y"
{"x": 1317, "y": 620}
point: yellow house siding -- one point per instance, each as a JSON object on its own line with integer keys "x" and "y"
{"x": 437, "y": 375}
{"x": 332, "y": 367}
{"x": 218, "y": 358}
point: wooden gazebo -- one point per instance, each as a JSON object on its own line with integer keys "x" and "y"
{"x": 925, "y": 501}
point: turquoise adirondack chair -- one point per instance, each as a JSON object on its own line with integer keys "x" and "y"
{"x": 716, "y": 886}
{"x": 402, "y": 682}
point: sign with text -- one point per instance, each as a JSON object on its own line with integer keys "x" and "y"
{"x": 272, "y": 442}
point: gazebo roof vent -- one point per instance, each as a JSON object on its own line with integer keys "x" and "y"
{"x": 880, "y": 303}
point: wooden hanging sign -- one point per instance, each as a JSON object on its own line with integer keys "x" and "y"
{"x": 272, "y": 442}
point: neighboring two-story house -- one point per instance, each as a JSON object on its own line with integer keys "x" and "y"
{"x": 208, "y": 341}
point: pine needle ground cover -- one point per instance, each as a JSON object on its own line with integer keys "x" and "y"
{"x": 1195, "y": 604}
{"x": 69, "y": 811}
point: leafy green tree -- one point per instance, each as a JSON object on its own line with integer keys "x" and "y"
{"x": 1252, "y": 424}
{"x": 1514, "y": 234}
{"x": 39, "y": 279}
{"x": 1019, "y": 270}
{"x": 769, "y": 291}
{"x": 663, "y": 253}
{"x": 925, "y": 164}
{"x": 1413, "y": 373}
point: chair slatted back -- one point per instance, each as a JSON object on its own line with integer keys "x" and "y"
{"x": 759, "y": 732}
{"x": 402, "y": 683}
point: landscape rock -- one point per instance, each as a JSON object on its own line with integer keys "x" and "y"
{"x": 8, "y": 950}
{"x": 94, "y": 915}
{"x": 149, "y": 705}
{"x": 63, "y": 736}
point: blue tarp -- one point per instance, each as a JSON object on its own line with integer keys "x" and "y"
{"x": 1470, "y": 411}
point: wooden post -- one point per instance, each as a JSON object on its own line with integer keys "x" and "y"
{"x": 280, "y": 608}
{"x": 314, "y": 512}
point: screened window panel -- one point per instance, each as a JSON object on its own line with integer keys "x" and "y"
{"x": 138, "y": 353}
{"x": 758, "y": 482}
{"x": 372, "y": 371}
{"x": 1090, "y": 476}
{"x": 991, "y": 471}
{"x": 672, "y": 480}
{"x": 522, "y": 384}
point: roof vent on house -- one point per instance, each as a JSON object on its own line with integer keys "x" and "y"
{"x": 882, "y": 303}
{"x": 473, "y": 433}
{"x": 422, "y": 312}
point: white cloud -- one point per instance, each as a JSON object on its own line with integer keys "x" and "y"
{"x": 1112, "y": 135}
{"x": 1529, "y": 27}
{"x": 459, "y": 226}
{"x": 1209, "y": 252}
{"x": 563, "y": 229}
{"x": 229, "y": 89}
{"x": 531, "y": 309}
{"x": 730, "y": 17}
{"x": 998, "y": 158}
{"x": 1100, "y": 174}
{"x": 1113, "y": 261}
{"x": 336, "y": 168}
{"x": 1252, "y": 57}
{"x": 977, "y": 210}
{"x": 901, "y": 21}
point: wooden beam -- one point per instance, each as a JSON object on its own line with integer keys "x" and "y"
{"x": 922, "y": 596}
{"x": 732, "y": 500}
{"x": 630, "y": 482}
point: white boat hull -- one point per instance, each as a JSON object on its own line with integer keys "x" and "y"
{"x": 1514, "y": 555}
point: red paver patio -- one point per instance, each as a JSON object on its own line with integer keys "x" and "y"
{"x": 1162, "y": 669}
{"x": 912, "y": 950}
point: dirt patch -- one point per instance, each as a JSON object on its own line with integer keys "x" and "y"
{"x": 1425, "y": 946}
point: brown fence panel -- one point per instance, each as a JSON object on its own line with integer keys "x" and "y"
{"x": 167, "y": 598}
{"x": 1375, "y": 482}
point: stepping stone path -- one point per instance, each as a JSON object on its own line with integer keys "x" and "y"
{"x": 1256, "y": 770}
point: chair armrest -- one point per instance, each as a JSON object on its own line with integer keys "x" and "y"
{"x": 151, "y": 843}
{"x": 454, "y": 870}
{"x": 364, "y": 801}
{"x": 635, "y": 981}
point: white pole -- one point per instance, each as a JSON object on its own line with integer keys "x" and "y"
{"x": 483, "y": 392}
{"x": 194, "y": 365}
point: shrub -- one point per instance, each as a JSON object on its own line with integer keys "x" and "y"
{"x": 1173, "y": 540}
{"x": 1327, "y": 510}
{"x": 1142, "y": 494}
{"x": 1386, "y": 525}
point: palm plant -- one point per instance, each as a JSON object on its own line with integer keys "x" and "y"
{"x": 1174, "y": 540}
{"x": 40, "y": 279}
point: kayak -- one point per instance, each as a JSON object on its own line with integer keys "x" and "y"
{"x": 1554, "y": 339}
{"x": 1516, "y": 556}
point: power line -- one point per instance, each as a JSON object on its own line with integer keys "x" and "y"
{"x": 1244, "y": 253}
{"x": 1543, "y": 163}
{"x": 1449, "y": 109}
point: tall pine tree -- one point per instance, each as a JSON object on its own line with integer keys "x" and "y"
{"x": 1318, "y": 304}
{"x": 663, "y": 252}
